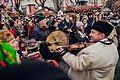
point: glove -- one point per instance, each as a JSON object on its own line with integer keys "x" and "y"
{"x": 63, "y": 53}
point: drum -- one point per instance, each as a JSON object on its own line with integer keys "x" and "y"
{"x": 57, "y": 38}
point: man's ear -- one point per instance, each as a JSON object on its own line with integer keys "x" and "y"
{"x": 102, "y": 35}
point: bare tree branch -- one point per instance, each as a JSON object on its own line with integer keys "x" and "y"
{"x": 37, "y": 2}
{"x": 61, "y": 2}
{"x": 71, "y": 1}
{"x": 40, "y": 2}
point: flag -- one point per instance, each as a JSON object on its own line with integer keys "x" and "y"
{"x": 7, "y": 55}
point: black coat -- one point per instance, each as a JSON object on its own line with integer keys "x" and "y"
{"x": 62, "y": 25}
{"x": 72, "y": 37}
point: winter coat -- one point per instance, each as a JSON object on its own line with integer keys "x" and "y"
{"x": 95, "y": 62}
{"x": 40, "y": 34}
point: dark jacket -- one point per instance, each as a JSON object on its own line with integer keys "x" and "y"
{"x": 62, "y": 25}
{"x": 40, "y": 34}
{"x": 72, "y": 37}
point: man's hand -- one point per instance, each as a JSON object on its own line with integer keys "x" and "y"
{"x": 69, "y": 30}
{"x": 59, "y": 49}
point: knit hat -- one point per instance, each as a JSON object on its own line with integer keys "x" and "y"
{"x": 6, "y": 35}
{"x": 40, "y": 17}
{"x": 103, "y": 27}
{"x": 78, "y": 24}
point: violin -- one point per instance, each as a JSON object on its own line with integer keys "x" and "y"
{"x": 77, "y": 46}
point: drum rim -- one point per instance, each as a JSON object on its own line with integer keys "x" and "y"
{"x": 60, "y": 31}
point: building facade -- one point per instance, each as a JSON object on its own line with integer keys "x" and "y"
{"x": 54, "y": 4}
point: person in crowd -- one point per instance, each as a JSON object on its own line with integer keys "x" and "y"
{"x": 71, "y": 29}
{"x": 64, "y": 23}
{"x": 14, "y": 27}
{"x": 97, "y": 61}
{"x": 116, "y": 20}
{"x": 89, "y": 21}
{"x": 39, "y": 33}
{"x": 29, "y": 26}
{"x": 99, "y": 17}
{"x": 85, "y": 24}
{"x": 115, "y": 13}
{"x": 84, "y": 15}
{"x": 33, "y": 70}
{"x": 8, "y": 49}
{"x": 53, "y": 25}
{"x": 78, "y": 22}
{"x": 80, "y": 33}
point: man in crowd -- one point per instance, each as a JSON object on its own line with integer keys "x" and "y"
{"x": 39, "y": 33}
{"x": 94, "y": 62}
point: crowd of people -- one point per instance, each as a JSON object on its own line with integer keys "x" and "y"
{"x": 95, "y": 57}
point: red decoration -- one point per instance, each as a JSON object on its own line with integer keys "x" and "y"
{"x": 12, "y": 32}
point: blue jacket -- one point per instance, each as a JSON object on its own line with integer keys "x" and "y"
{"x": 39, "y": 34}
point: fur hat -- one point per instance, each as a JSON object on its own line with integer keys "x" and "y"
{"x": 6, "y": 35}
{"x": 40, "y": 17}
{"x": 103, "y": 27}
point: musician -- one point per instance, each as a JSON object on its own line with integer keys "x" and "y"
{"x": 97, "y": 61}
{"x": 39, "y": 33}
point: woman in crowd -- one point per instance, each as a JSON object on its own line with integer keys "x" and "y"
{"x": 8, "y": 49}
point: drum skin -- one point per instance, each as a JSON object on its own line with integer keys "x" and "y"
{"x": 57, "y": 38}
